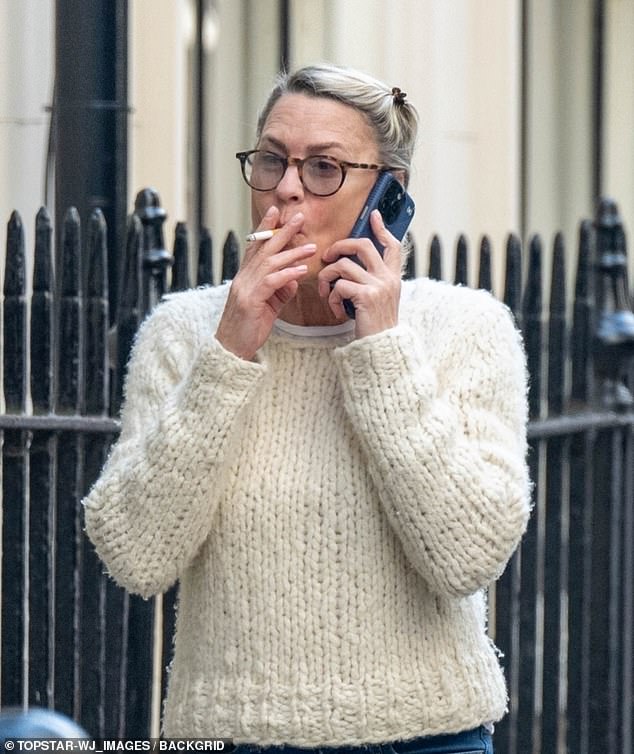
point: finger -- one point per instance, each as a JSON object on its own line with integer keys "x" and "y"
{"x": 268, "y": 222}
{"x": 349, "y": 247}
{"x": 341, "y": 289}
{"x": 327, "y": 277}
{"x": 284, "y": 294}
{"x": 281, "y": 238}
{"x": 391, "y": 245}
{"x": 276, "y": 281}
{"x": 270, "y": 218}
{"x": 344, "y": 267}
{"x": 366, "y": 253}
{"x": 289, "y": 257}
{"x": 373, "y": 259}
{"x": 261, "y": 267}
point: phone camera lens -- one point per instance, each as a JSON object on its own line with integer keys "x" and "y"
{"x": 391, "y": 203}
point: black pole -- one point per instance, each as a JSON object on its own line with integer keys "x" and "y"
{"x": 598, "y": 62}
{"x": 90, "y": 117}
{"x": 285, "y": 34}
{"x": 199, "y": 116}
{"x": 524, "y": 113}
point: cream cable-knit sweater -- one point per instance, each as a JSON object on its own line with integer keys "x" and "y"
{"x": 333, "y": 510}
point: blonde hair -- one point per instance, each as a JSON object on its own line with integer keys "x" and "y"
{"x": 393, "y": 120}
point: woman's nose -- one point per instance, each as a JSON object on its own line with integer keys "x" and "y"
{"x": 290, "y": 188}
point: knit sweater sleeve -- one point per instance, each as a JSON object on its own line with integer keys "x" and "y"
{"x": 153, "y": 504}
{"x": 445, "y": 440}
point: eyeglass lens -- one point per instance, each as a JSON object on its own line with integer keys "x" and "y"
{"x": 319, "y": 174}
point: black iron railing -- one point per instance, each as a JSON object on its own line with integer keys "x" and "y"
{"x": 562, "y": 611}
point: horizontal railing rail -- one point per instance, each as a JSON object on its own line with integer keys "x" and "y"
{"x": 538, "y": 429}
{"x": 52, "y": 423}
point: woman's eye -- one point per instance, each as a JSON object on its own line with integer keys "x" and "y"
{"x": 324, "y": 167}
{"x": 268, "y": 162}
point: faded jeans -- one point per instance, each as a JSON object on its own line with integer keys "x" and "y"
{"x": 477, "y": 741}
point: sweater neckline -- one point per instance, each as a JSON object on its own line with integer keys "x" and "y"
{"x": 313, "y": 331}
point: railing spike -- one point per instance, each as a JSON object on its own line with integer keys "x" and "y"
{"x": 205, "y": 271}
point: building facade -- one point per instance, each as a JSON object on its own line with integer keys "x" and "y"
{"x": 526, "y": 105}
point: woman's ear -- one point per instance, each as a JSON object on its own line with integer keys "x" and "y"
{"x": 401, "y": 176}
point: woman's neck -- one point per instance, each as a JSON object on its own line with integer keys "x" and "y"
{"x": 307, "y": 308}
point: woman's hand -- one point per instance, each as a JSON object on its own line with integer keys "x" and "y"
{"x": 375, "y": 291}
{"x": 267, "y": 279}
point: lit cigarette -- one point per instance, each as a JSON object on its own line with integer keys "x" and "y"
{"x": 262, "y": 235}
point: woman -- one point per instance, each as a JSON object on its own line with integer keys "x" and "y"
{"x": 333, "y": 495}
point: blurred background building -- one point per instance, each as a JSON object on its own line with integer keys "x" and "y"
{"x": 527, "y": 115}
{"x": 527, "y": 106}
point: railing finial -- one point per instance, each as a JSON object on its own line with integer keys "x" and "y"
{"x": 614, "y": 337}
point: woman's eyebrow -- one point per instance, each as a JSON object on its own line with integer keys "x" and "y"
{"x": 310, "y": 149}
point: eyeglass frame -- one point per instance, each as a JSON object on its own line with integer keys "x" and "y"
{"x": 298, "y": 162}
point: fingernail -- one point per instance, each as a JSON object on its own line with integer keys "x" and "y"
{"x": 310, "y": 247}
{"x": 297, "y": 217}
{"x": 271, "y": 210}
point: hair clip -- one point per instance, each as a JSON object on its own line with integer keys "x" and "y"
{"x": 398, "y": 96}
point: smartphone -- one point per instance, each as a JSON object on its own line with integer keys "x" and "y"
{"x": 397, "y": 210}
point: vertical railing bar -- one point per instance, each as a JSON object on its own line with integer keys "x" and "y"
{"x": 168, "y": 612}
{"x": 69, "y": 401}
{"x": 557, "y": 349}
{"x": 461, "y": 273}
{"x": 529, "y": 688}
{"x": 96, "y": 396}
{"x": 205, "y": 266}
{"x": 129, "y": 311}
{"x": 180, "y": 269}
{"x": 583, "y": 322}
{"x": 605, "y": 677}
{"x": 97, "y": 313}
{"x": 42, "y": 482}
{"x": 15, "y": 337}
{"x": 532, "y": 325}
{"x": 155, "y": 257}
{"x": 627, "y": 594}
{"x": 42, "y": 308}
{"x": 614, "y": 342}
{"x": 513, "y": 277}
{"x": 600, "y": 654}
{"x": 230, "y": 257}
{"x": 615, "y": 555}
{"x": 435, "y": 259}
{"x": 485, "y": 278}
{"x": 506, "y": 591}
{"x": 14, "y": 652}
{"x": 555, "y": 516}
{"x": 582, "y": 484}
{"x": 579, "y": 586}
{"x": 70, "y": 398}
{"x": 127, "y": 320}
